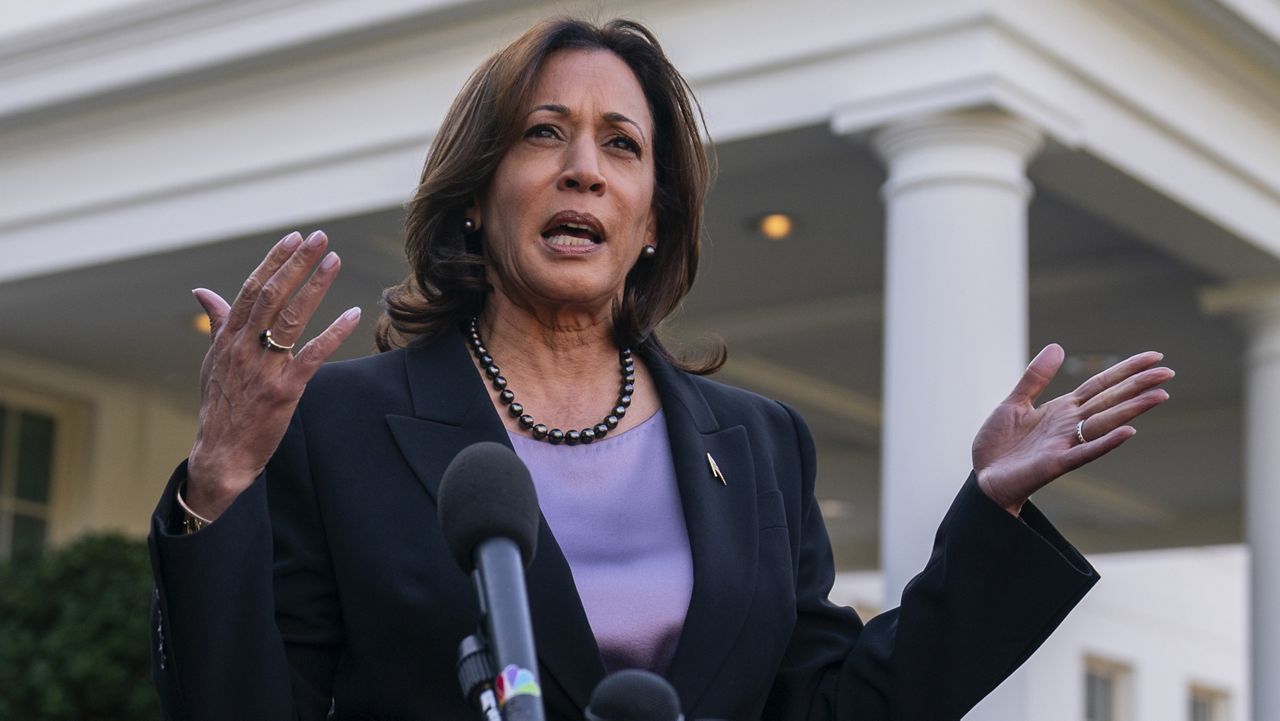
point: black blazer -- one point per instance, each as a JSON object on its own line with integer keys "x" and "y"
{"x": 328, "y": 580}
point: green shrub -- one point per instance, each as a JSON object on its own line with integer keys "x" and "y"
{"x": 73, "y": 634}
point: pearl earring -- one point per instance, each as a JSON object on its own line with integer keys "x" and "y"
{"x": 468, "y": 225}
{"x": 648, "y": 251}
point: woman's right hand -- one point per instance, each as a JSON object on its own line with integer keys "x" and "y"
{"x": 248, "y": 391}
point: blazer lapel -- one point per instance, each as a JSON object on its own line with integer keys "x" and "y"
{"x": 448, "y": 415}
{"x": 722, "y": 523}
{"x": 452, "y": 410}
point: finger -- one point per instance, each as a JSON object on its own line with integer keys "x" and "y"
{"x": 248, "y": 294}
{"x": 277, "y": 290}
{"x": 1115, "y": 374}
{"x": 214, "y": 307}
{"x": 1039, "y": 373}
{"x": 1130, "y": 387}
{"x": 1112, "y": 418}
{"x": 1093, "y": 450}
{"x": 318, "y": 349}
{"x": 293, "y": 318}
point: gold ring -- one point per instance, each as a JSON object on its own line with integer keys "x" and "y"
{"x": 1080, "y": 431}
{"x": 269, "y": 343}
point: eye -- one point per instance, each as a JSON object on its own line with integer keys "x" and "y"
{"x": 543, "y": 131}
{"x": 622, "y": 142}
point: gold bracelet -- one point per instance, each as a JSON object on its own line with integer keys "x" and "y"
{"x": 192, "y": 521}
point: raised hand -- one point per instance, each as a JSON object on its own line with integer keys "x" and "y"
{"x": 250, "y": 382}
{"x": 1021, "y": 447}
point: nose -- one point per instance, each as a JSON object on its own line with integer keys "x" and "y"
{"x": 581, "y": 170}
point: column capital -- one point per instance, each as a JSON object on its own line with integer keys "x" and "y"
{"x": 1256, "y": 305}
{"x": 984, "y": 126}
{"x": 1256, "y": 302}
{"x": 984, "y": 145}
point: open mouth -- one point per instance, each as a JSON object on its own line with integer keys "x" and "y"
{"x": 573, "y": 229}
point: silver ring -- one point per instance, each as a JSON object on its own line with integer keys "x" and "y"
{"x": 269, "y": 343}
{"x": 1080, "y": 431}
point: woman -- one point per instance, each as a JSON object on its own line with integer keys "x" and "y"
{"x": 298, "y": 561}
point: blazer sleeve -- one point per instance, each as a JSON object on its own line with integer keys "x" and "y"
{"x": 992, "y": 591}
{"x": 245, "y": 618}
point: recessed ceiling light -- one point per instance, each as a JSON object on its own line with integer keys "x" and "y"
{"x": 200, "y": 322}
{"x": 1089, "y": 364}
{"x": 776, "y": 226}
{"x": 834, "y": 509}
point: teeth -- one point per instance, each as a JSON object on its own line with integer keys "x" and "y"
{"x": 568, "y": 240}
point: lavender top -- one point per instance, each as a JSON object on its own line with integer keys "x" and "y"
{"x": 614, "y": 508}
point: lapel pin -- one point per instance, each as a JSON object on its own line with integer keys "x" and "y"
{"x": 715, "y": 471}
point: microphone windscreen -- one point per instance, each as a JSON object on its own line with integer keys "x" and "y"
{"x": 486, "y": 492}
{"x": 634, "y": 695}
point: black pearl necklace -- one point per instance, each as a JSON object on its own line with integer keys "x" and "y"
{"x": 539, "y": 431}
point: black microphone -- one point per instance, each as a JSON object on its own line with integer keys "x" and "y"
{"x": 634, "y": 695}
{"x": 489, "y": 516}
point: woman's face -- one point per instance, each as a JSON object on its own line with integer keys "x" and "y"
{"x": 571, "y": 203}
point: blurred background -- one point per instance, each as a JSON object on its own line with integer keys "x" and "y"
{"x": 914, "y": 197}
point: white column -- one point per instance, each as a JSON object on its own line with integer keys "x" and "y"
{"x": 955, "y": 310}
{"x": 1262, "y": 507}
{"x": 1257, "y": 305}
{"x": 1262, "y": 499}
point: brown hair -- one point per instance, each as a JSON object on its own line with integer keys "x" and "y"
{"x": 447, "y": 282}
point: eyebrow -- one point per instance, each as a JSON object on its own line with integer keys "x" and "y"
{"x": 612, "y": 116}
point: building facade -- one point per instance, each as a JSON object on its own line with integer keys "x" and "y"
{"x": 966, "y": 180}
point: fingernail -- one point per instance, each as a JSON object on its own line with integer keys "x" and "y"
{"x": 329, "y": 261}
{"x": 315, "y": 239}
{"x": 291, "y": 240}
{"x": 352, "y": 313}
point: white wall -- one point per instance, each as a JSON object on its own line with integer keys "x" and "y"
{"x": 1173, "y": 617}
{"x": 121, "y": 441}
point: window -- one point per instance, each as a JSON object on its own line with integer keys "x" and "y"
{"x": 27, "y": 438}
{"x": 1105, "y": 690}
{"x": 1100, "y": 697}
{"x": 1207, "y": 704}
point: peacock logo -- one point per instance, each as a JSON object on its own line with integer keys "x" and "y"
{"x": 515, "y": 681}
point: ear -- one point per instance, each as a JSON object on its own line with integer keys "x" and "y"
{"x": 651, "y": 230}
{"x": 473, "y": 212}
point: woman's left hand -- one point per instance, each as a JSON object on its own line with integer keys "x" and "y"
{"x": 1021, "y": 447}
